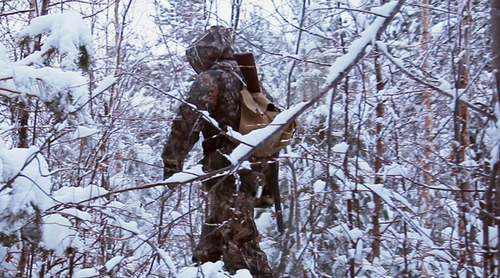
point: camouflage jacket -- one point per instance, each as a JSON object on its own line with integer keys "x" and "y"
{"x": 217, "y": 91}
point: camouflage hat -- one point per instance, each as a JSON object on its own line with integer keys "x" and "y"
{"x": 215, "y": 44}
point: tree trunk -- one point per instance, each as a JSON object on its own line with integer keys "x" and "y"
{"x": 235, "y": 13}
{"x": 424, "y": 191}
{"x": 23, "y": 121}
{"x": 297, "y": 48}
{"x": 380, "y": 110}
{"x": 492, "y": 196}
{"x": 462, "y": 139}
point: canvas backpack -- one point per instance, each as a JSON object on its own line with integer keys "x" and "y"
{"x": 257, "y": 111}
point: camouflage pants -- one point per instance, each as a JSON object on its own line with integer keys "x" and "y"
{"x": 230, "y": 233}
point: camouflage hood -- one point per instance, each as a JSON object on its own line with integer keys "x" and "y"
{"x": 214, "y": 45}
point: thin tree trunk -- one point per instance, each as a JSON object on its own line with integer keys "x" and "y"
{"x": 462, "y": 140}
{"x": 345, "y": 164}
{"x": 23, "y": 131}
{"x": 45, "y": 6}
{"x": 285, "y": 251}
{"x": 378, "y": 163}
{"x": 23, "y": 260}
{"x": 297, "y": 48}
{"x": 28, "y": 248}
{"x": 489, "y": 262}
{"x": 235, "y": 13}
{"x": 424, "y": 191}
{"x": 380, "y": 111}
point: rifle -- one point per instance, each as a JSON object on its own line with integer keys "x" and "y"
{"x": 246, "y": 62}
{"x": 272, "y": 181}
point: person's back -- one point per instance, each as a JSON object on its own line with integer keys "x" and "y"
{"x": 230, "y": 233}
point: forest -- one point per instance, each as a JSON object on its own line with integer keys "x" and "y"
{"x": 392, "y": 171}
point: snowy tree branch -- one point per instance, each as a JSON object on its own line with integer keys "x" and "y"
{"x": 448, "y": 94}
{"x": 338, "y": 71}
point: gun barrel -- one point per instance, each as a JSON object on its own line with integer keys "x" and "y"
{"x": 246, "y": 62}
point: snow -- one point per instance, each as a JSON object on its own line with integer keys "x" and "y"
{"x": 495, "y": 155}
{"x": 168, "y": 260}
{"x": 355, "y": 234}
{"x": 78, "y": 194}
{"x": 395, "y": 169}
{"x": 319, "y": 186}
{"x": 86, "y": 272}
{"x": 445, "y": 86}
{"x": 212, "y": 270}
{"x": 441, "y": 254}
{"x": 64, "y": 89}
{"x": 83, "y": 131}
{"x": 317, "y": 6}
{"x": 115, "y": 204}
{"x": 111, "y": 263}
{"x": 30, "y": 185}
{"x": 388, "y": 195}
{"x": 493, "y": 236}
{"x": 265, "y": 221}
{"x": 206, "y": 115}
{"x": 144, "y": 152}
{"x": 469, "y": 163}
{"x": 186, "y": 175}
{"x": 136, "y": 211}
{"x": 82, "y": 215}
{"x": 357, "y": 46}
{"x": 340, "y": 148}
{"x": 128, "y": 227}
{"x": 57, "y": 234}
{"x": 67, "y": 33}
{"x": 107, "y": 82}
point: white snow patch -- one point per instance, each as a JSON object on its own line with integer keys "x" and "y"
{"x": 264, "y": 222}
{"x": 319, "y": 186}
{"x": 57, "y": 234}
{"x": 29, "y": 189}
{"x": 129, "y": 227}
{"x": 86, "y": 272}
{"x": 186, "y": 175}
{"x": 83, "y": 131}
{"x": 212, "y": 270}
{"x": 77, "y": 194}
{"x": 340, "y": 148}
{"x": 443, "y": 255}
{"x": 355, "y": 234}
{"x": 168, "y": 260}
{"x": 144, "y": 152}
{"x": 113, "y": 262}
{"x": 107, "y": 82}
{"x": 77, "y": 213}
{"x": 394, "y": 170}
{"x": 68, "y": 32}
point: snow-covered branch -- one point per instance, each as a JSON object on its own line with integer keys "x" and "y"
{"x": 440, "y": 89}
{"x": 338, "y": 71}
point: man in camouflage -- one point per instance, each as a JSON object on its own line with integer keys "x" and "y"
{"x": 229, "y": 233}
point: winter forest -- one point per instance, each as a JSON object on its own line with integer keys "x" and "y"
{"x": 393, "y": 170}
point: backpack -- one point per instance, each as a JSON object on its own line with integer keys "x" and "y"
{"x": 257, "y": 111}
